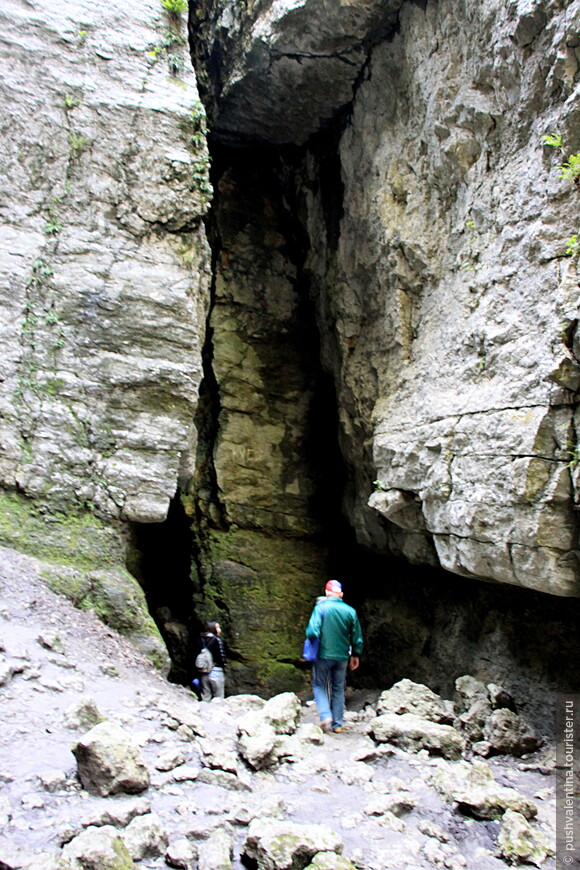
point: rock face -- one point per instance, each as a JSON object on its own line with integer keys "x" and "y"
{"x": 104, "y": 287}
{"x": 104, "y": 262}
{"x": 446, "y": 304}
{"x": 302, "y": 55}
{"x": 460, "y": 365}
{"x": 391, "y": 337}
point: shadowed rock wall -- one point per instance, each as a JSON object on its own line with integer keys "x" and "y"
{"x": 461, "y": 362}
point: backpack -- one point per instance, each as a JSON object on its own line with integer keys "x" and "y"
{"x": 204, "y": 661}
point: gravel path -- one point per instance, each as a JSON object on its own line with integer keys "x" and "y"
{"x": 52, "y": 656}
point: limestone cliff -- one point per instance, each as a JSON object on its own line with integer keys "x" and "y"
{"x": 104, "y": 271}
{"x": 104, "y": 260}
{"x": 437, "y": 257}
{"x": 382, "y": 342}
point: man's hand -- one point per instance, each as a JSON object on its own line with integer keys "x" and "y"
{"x": 354, "y": 663}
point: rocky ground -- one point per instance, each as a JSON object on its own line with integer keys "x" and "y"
{"x": 394, "y": 790}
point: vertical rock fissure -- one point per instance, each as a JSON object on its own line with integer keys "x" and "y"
{"x": 266, "y": 490}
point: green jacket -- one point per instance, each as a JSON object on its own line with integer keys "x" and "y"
{"x": 337, "y": 626}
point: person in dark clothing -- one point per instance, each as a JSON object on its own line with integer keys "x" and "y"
{"x": 213, "y": 684}
{"x": 337, "y": 626}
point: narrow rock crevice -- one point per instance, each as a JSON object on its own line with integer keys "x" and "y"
{"x": 161, "y": 560}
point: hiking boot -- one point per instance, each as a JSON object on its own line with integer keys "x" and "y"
{"x": 337, "y": 730}
{"x": 326, "y": 725}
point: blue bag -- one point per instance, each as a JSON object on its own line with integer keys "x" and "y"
{"x": 312, "y": 647}
{"x": 310, "y": 651}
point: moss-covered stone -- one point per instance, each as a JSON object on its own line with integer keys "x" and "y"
{"x": 75, "y": 538}
{"x": 270, "y": 584}
{"x": 519, "y": 843}
{"x": 117, "y": 599}
{"x": 84, "y": 560}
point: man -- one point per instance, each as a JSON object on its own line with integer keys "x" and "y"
{"x": 338, "y": 629}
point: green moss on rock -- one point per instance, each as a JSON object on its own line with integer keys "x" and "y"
{"x": 270, "y": 584}
{"x": 84, "y": 561}
{"x": 76, "y": 538}
{"x": 117, "y": 599}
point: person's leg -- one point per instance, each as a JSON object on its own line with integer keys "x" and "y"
{"x": 206, "y": 693}
{"x": 320, "y": 681}
{"x": 217, "y": 682}
{"x": 338, "y": 677}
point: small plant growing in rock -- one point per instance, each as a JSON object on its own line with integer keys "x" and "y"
{"x": 572, "y": 246}
{"x": 71, "y": 102}
{"x": 53, "y": 224}
{"x": 175, "y": 64}
{"x": 82, "y": 37}
{"x": 199, "y": 124}
{"x": 174, "y": 7}
{"x": 553, "y": 139}
{"x": 573, "y": 451}
{"x": 40, "y": 269}
{"x": 571, "y": 169}
{"x": 77, "y": 142}
{"x": 170, "y": 39}
{"x": 472, "y": 253}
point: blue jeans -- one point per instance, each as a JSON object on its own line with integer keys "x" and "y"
{"x": 333, "y": 672}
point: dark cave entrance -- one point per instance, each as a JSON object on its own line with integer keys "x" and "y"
{"x": 164, "y": 566}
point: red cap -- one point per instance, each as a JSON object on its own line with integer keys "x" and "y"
{"x": 333, "y": 586}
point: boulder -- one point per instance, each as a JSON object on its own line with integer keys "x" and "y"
{"x": 519, "y": 843}
{"x": 330, "y": 861}
{"x": 215, "y": 853}
{"x": 278, "y": 845}
{"x": 472, "y": 722}
{"x": 472, "y": 788}
{"x": 258, "y": 748}
{"x": 263, "y": 733}
{"x": 397, "y": 804}
{"x": 468, "y": 690}
{"x": 409, "y": 697}
{"x": 217, "y": 755}
{"x": 181, "y": 854}
{"x": 500, "y": 698}
{"x": 412, "y": 734}
{"x": 508, "y": 734}
{"x": 145, "y": 836}
{"x": 83, "y": 714}
{"x": 241, "y": 781}
{"x": 98, "y": 849}
{"x": 109, "y": 761}
{"x": 119, "y": 813}
{"x": 282, "y": 712}
{"x": 169, "y": 760}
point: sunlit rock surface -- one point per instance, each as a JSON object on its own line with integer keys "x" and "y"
{"x": 447, "y": 305}
{"x": 103, "y": 264}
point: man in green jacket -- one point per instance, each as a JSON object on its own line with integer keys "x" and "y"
{"x": 337, "y": 627}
